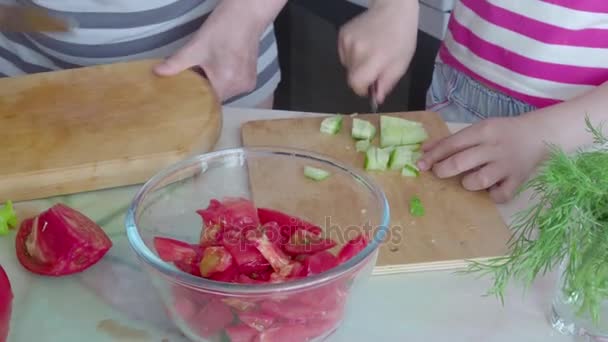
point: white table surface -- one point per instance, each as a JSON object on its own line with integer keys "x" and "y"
{"x": 428, "y": 306}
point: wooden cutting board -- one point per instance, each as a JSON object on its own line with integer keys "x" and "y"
{"x": 99, "y": 127}
{"x": 458, "y": 225}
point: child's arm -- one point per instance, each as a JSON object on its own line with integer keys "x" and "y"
{"x": 226, "y": 45}
{"x": 500, "y": 154}
{"x": 379, "y": 44}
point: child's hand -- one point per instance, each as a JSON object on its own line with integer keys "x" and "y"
{"x": 498, "y": 154}
{"x": 225, "y": 47}
{"x": 378, "y": 45}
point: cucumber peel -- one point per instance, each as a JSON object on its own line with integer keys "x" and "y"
{"x": 362, "y": 145}
{"x": 331, "y": 125}
{"x": 376, "y": 159}
{"x": 363, "y": 129}
{"x": 410, "y": 170}
{"x": 397, "y": 131}
{"x": 315, "y": 173}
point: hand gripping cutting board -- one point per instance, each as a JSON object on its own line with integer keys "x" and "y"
{"x": 99, "y": 127}
{"x": 458, "y": 225}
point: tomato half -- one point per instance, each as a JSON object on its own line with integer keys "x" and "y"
{"x": 60, "y": 241}
{"x": 6, "y": 305}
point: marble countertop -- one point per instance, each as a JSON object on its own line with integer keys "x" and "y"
{"x": 114, "y": 301}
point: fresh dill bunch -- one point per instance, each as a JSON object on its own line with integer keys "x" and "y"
{"x": 568, "y": 224}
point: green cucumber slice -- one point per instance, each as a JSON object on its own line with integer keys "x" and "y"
{"x": 416, "y": 156}
{"x": 363, "y": 129}
{"x": 410, "y": 170}
{"x": 315, "y": 173}
{"x": 400, "y": 156}
{"x": 362, "y": 145}
{"x": 416, "y": 207}
{"x": 376, "y": 159}
{"x": 331, "y": 125}
{"x": 398, "y": 131}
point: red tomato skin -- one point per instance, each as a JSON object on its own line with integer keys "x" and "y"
{"x": 171, "y": 250}
{"x": 318, "y": 263}
{"x": 352, "y": 248}
{"x": 233, "y": 212}
{"x": 67, "y": 242}
{"x": 6, "y": 305}
{"x": 289, "y": 224}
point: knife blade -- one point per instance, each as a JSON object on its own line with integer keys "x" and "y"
{"x": 15, "y": 18}
{"x": 372, "y": 98}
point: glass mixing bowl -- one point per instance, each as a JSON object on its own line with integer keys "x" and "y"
{"x": 345, "y": 204}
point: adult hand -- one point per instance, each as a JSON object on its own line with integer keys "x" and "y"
{"x": 226, "y": 46}
{"x": 378, "y": 45}
{"x": 498, "y": 154}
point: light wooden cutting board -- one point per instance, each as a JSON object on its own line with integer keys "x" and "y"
{"x": 458, "y": 225}
{"x": 99, "y": 127}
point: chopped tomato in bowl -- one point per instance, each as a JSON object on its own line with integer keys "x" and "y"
{"x": 228, "y": 269}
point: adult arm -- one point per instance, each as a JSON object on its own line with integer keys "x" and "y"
{"x": 226, "y": 45}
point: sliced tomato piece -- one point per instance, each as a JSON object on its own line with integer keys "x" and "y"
{"x": 352, "y": 248}
{"x": 6, "y": 304}
{"x": 212, "y": 318}
{"x": 191, "y": 265}
{"x": 288, "y": 224}
{"x": 171, "y": 250}
{"x": 215, "y": 260}
{"x": 239, "y": 304}
{"x": 258, "y": 320}
{"x": 230, "y": 275}
{"x": 278, "y": 260}
{"x": 245, "y": 279}
{"x": 241, "y": 333}
{"x": 60, "y": 241}
{"x": 290, "y": 310}
{"x": 305, "y": 242}
{"x": 318, "y": 263}
{"x": 285, "y": 332}
{"x": 262, "y": 276}
{"x": 233, "y": 212}
{"x": 247, "y": 257}
{"x": 211, "y": 235}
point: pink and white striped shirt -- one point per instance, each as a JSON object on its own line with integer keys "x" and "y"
{"x": 541, "y": 52}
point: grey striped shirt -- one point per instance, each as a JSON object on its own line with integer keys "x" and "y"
{"x": 121, "y": 30}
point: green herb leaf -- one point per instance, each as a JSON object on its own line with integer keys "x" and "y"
{"x": 568, "y": 224}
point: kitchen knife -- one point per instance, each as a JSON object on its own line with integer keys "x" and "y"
{"x": 372, "y": 97}
{"x": 15, "y": 18}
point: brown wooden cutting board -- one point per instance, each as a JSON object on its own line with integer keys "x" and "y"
{"x": 99, "y": 127}
{"x": 458, "y": 225}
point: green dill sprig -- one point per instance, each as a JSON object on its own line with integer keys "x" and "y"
{"x": 568, "y": 224}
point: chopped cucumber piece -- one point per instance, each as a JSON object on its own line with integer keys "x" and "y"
{"x": 331, "y": 125}
{"x": 363, "y": 129}
{"x": 398, "y": 131}
{"x": 416, "y": 207}
{"x": 400, "y": 156}
{"x": 415, "y": 156}
{"x": 315, "y": 173}
{"x": 412, "y": 147}
{"x": 362, "y": 145}
{"x": 376, "y": 159}
{"x": 8, "y": 218}
{"x": 410, "y": 170}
